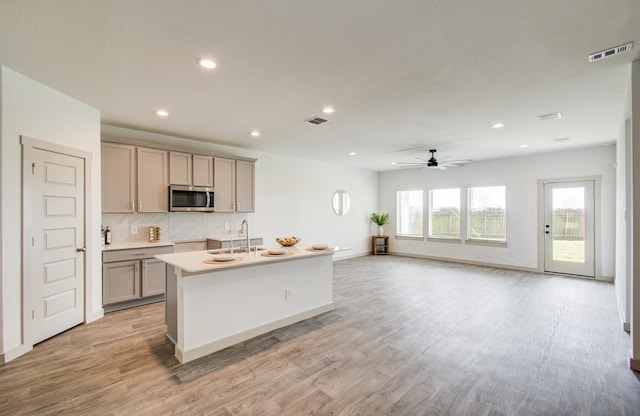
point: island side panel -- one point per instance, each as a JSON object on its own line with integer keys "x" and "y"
{"x": 219, "y": 309}
{"x": 171, "y": 304}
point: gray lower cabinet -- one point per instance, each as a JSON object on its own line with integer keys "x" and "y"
{"x": 120, "y": 281}
{"x": 132, "y": 277}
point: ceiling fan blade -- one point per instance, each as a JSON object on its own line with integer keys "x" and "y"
{"x": 458, "y": 163}
{"x": 407, "y": 165}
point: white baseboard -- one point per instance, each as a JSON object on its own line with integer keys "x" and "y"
{"x": 206, "y": 349}
{"x": 15, "y": 352}
{"x": 94, "y": 316}
{"x": 471, "y": 262}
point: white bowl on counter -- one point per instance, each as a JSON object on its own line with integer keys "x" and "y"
{"x": 224, "y": 257}
{"x": 277, "y": 251}
{"x": 320, "y": 246}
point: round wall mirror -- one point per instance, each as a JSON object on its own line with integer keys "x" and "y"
{"x": 341, "y": 202}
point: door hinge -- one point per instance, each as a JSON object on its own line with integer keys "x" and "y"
{"x": 33, "y": 314}
{"x": 33, "y": 168}
{"x": 33, "y": 242}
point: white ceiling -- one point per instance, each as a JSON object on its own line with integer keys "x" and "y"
{"x": 403, "y": 76}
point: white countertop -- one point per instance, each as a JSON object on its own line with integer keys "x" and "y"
{"x": 194, "y": 261}
{"x": 136, "y": 244}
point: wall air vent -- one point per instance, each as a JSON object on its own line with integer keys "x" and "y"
{"x": 561, "y": 139}
{"x": 610, "y": 52}
{"x": 550, "y": 116}
{"x": 316, "y": 120}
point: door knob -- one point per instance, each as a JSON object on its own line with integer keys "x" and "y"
{"x": 81, "y": 249}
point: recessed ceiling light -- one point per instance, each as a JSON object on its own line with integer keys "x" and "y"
{"x": 497, "y": 126}
{"x": 327, "y": 110}
{"x": 522, "y": 146}
{"x": 352, "y": 153}
{"x": 255, "y": 133}
{"x": 162, "y": 113}
{"x": 206, "y": 63}
{"x": 394, "y": 163}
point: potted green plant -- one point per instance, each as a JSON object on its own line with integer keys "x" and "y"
{"x": 379, "y": 220}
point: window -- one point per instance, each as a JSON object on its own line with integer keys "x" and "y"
{"x": 487, "y": 213}
{"x": 444, "y": 213}
{"x": 409, "y": 213}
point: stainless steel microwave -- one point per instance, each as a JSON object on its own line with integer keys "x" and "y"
{"x": 190, "y": 198}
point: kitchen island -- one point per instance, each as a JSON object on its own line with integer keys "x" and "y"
{"x": 211, "y": 305}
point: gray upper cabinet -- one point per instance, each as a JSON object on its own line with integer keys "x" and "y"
{"x": 118, "y": 178}
{"x": 203, "y": 171}
{"x": 234, "y": 185}
{"x": 153, "y": 180}
{"x": 134, "y": 179}
{"x": 180, "y": 168}
{"x": 192, "y": 170}
{"x": 224, "y": 177}
{"x": 245, "y": 186}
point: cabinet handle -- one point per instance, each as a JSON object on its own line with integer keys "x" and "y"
{"x": 132, "y": 207}
{"x": 140, "y": 205}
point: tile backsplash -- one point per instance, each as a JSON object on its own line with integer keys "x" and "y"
{"x": 176, "y": 226}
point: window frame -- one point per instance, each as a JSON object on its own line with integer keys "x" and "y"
{"x": 485, "y": 241}
{"x": 461, "y": 214}
{"x": 398, "y": 234}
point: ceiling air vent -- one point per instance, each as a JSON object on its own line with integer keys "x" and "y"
{"x": 610, "y": 52}
{"x": 316, "y": 120}
{"x": 561, "y": 139}
{"x": 550, "y": 116}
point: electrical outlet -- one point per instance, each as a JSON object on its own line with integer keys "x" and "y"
{"x": 226, "y": 226}
{"x": 134, "y": 229}
{"x": 512, "y": 253}
{"x": 288, "y": 293}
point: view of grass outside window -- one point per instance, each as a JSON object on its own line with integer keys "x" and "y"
{"x": 568, "y": 225}
{"x": 444, "y": 213}
{"x": 487, "y": 213}
{"x": 409, "y": 213}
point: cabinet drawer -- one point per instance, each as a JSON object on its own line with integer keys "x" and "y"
{"x": 190, "y": 246}
{"x": 134, "y": 253}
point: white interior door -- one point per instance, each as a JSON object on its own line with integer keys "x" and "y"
{"x": 569, "y": 228}
{"x": 56, "y": 270}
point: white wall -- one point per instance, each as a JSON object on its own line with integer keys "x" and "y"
{"x": 35, "y": 110}
{"x": 635, "y": 217}
{"x": 293, "y": 197}
{"x": 623, "y": 224}
{"x": 624, "y": 208}
{"x": 520, "y": 175}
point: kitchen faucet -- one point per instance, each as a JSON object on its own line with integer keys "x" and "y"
{"x": 244, "y": 227}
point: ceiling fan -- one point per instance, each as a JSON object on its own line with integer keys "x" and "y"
{"x": 432, "y": 163}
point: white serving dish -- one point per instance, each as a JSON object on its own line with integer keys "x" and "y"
{"x": 277, "y": 251}
{"x": 224, "y": 257}
{"x": 320, "y": 246}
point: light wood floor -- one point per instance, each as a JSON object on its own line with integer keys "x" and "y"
{"x": 408, "y": 337}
